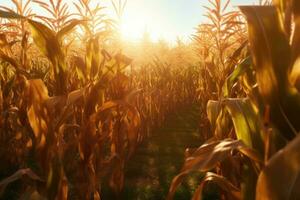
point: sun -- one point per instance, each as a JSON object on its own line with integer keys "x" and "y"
{"x": 133, "y": 29}
{"x": 135, "y": 23}
{"x": 140, "y": 17}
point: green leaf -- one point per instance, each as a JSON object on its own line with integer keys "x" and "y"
{"x": 247, "y": 125}
{"x": 246, "y": 121}
{"x": 238, "y": 71}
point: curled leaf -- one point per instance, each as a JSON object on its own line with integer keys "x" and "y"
{"x": 232, "y": 191}
{"x": 209, "y": 155}
{"x": 280, "y": 178}
{"x": 18, "y": 175}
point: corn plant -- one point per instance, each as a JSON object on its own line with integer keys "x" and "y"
{"x": 215, "y": 41}
{"x": 72, "y": 113}
{"x": 48, "y": 116}
{"x": 265, "y": 121}
{"x": 58, "y": 11}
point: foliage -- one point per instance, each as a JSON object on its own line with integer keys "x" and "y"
{"x": 258, "y": 107}
{"x": 72, "y": 110}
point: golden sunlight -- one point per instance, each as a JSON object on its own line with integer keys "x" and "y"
{"x": 149, "y": 99}
{"x": 137, "y": 20}
{"x": 133, "y": 29}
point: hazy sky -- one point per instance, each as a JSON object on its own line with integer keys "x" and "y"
{"x": 169, "y": 18}
{"x": 161, "y": 18}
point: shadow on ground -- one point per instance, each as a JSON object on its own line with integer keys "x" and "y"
{"x": 150, "y": 171}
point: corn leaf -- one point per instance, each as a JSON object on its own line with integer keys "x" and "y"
{"x": 13, "y": 63}
{"x": 295, "y": 74}
{"x": 208, "y": 156}
{"x": 45, "y": 39}
{"x": 285, "y": 12}
{"x": 280, "y": 178}
{"x": 68, "y": 29}
{"x": 10, "y": 15}
{"x": 18, "y": 175}
{"x": 93, "y": 57}
{"x": 232, "y": 78}
{"x": 80, "y": 67}
{"x": 232, "y": 191}
{"x": 1, "y": 101}
{"x": 266, "y": 35}
{"x": 48, "y": 44}
{"x": 246, "y": 122}
{"x": 271, "y": 56}
{"x": 213, "y": 109}
{"x": 37, "y": 115}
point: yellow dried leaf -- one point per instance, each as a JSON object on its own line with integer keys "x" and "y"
{"x": 37, "y": 112}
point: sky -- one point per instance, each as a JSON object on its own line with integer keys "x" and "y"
{"x": 167, "y": 19}
{"x": 162, "y": 19}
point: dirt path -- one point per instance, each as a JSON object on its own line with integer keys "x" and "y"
{"x": 159, "y": 159}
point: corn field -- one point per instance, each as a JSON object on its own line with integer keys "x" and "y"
{"x": 77, "y": 103}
